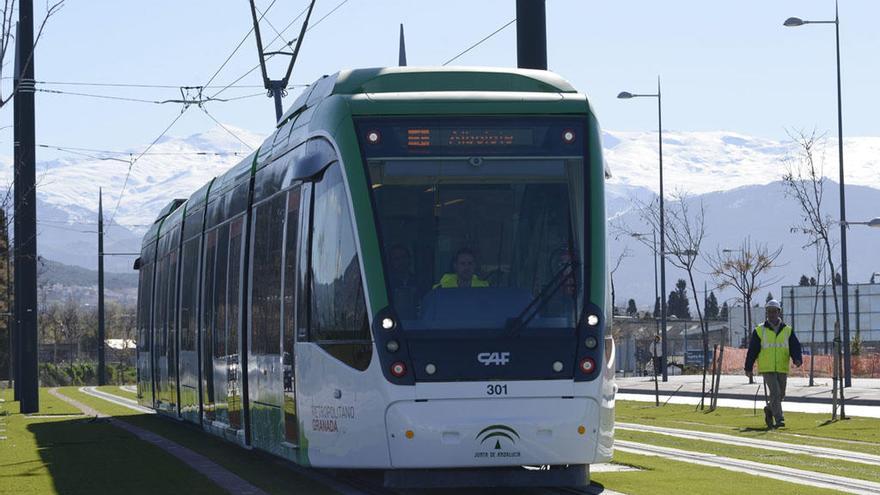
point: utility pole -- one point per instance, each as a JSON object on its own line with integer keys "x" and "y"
{"x": 26, "y": 214}
{"x": 101, "y": 336}
{"x": 15, "y": 341}
{"x": 531, "y": 34}
{"x": 278, "y": 87}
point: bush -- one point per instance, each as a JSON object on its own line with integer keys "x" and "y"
{"x": 84, "y": 373}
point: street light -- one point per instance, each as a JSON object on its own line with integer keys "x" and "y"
{"x": 626, "y": 95}
{"x": 874, "y": 222}
{"x": 847, "y": 364}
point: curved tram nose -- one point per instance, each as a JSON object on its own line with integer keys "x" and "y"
{"x": 492, "y": 432}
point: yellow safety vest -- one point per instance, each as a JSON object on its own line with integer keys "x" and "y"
{"x": 450, "y": 281}
{"x": 774, "y": 355}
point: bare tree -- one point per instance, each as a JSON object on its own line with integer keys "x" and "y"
{"x": 744, "y": 270}
{"x": 7, "y": 36}
{"x": 821, "y": 281}
{"x": 805, "y": 183}
{"x": 685, "y": 231}
{"x": 620, "y": 257}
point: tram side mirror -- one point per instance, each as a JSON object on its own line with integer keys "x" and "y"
{"x": 137, "y": 264}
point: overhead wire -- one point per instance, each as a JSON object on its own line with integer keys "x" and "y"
{"x": 134, "y": 85}
{"x": 502, "y": 28}
{"x": 140, "y": 100}
{"x": 135, "y": 160}
{"x": 242, "y": 141}
{"x": 155, "y": 153}
{"x": 235, "y": 50}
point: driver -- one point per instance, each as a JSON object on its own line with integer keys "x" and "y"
{"x": 464, "y": 264}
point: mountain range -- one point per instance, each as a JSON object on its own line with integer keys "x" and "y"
{"x": 736, "y": 176}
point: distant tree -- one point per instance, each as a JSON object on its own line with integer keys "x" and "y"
{"x": 631, "y": 309}
{"x": 724, "y": 311}
{"x": 769, "y": 297}
{"x": 838, "y": 280}
{"x": 683, "y": 310}
{"x": 804, "y": 282}
{"x": 813, "y": 281}
{"x": 624, "y": 254}
{"x": 712, "y": 306}
{"x": 672, "y": 303}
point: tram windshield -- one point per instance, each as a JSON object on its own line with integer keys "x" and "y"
{"x": 485, "y": 240}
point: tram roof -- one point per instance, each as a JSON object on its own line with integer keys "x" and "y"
{"x": 402, "y": 80}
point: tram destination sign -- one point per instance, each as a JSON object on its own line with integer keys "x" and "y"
{"x": 532, "y": 136}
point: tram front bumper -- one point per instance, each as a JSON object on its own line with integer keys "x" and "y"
{"x": 492, "y": 432}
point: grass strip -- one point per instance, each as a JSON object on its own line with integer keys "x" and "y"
{"x": 661, "y": 476}
{"x": 58, "y": 455}
{"x": 260, "y": 470}
{"x": 797, "y": 461}
{"x": 855, "y": 434}
{"x": 119, "y": 392}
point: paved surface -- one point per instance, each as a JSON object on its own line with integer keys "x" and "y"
{"x": 811, "y": 450}
{"x": 862, "y": 399}
{"x": 225, "y": 479}
{"x": 784, "y": 473}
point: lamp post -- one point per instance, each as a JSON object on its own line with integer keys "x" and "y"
{"x": 847, "y": 365}
{"x": 624, "y": 95}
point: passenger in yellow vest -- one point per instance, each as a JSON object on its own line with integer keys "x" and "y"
{"x": 464, "y": 264}
{"x": 773, "y": 344}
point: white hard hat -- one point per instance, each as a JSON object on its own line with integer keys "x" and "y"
{"x": 773, "y": 303}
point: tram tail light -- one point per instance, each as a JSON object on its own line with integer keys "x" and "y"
{"x": 398, "y": 369}
{"x": 587, "y": 365}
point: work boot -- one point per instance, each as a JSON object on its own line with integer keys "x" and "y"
{"x": 768, "y": 416}
{"x": 780, "y": 423}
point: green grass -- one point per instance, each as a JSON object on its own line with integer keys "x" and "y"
{"x": 856, "y": 434}
{"x": 119, "y": 392}
{"x": 260, "y": 470}
{"x": 84, "y": 456}
{"x": 792, "y": 460}
{"x": 661, "y": 476}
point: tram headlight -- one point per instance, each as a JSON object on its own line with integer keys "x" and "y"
{"x": 568, "y": 136}
{"x": 392, "y": 346}
{"x": 387, "y": 323}
{"x": 430, "y": 368}
{"x": 588, "y": 365}
{"x": 557, "y": 366}
{"x": 398, "y": 369}
{"x": 592, "y": 320}
{"x": 591, "y": 342}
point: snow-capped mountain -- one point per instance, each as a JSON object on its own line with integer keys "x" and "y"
{"x": 734, "y": 174}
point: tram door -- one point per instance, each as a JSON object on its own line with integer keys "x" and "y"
{"x": 289, "y": 327}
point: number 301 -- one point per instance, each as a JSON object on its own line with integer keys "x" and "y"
{"x": 496, "y": 389}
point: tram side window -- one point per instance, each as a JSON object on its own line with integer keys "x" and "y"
{"x": 188, "y": 293}
{"x": 266, "y": 301}
{"x": 146, "y": 284}
{"x": 233, "y": 295}
{"x": 338, "y": 310}
{"x": 220, "y": 280}
{"x": 290, "y": 280}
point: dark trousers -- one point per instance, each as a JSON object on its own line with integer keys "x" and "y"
{"x": 776, "y": 389}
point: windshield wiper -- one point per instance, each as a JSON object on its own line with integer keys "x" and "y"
{"x": 515, "y": 324}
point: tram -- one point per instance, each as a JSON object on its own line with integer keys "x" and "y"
{"x": 409, "y": 275}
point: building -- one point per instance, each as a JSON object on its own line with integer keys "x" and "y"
{"x": 810, "y": 311}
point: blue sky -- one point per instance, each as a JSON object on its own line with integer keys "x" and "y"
{"x": 724, "y": 65}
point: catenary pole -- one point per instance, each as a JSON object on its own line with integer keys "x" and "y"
{"x": 531, "y": 34}
{"x": 26, "y": 214}
{"x": 664, "y": 349}
{"x": 15, "y": 342}
{"x": 847, "y": 363}
{"x": 101, "y": 322}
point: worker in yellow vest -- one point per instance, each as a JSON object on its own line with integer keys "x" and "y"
{"x": 464, "y": 264}
{"x": 773, "y": 344}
